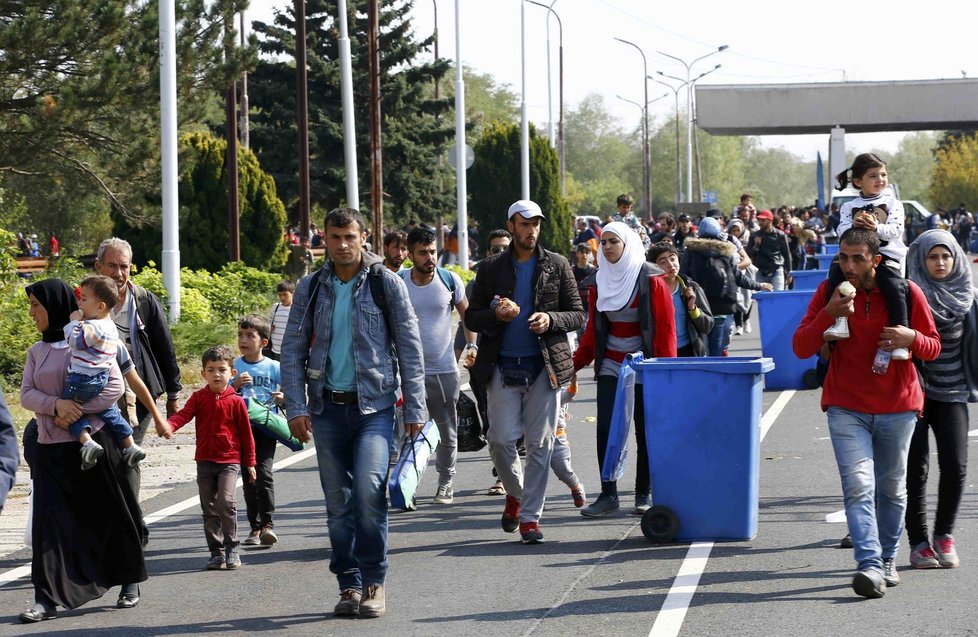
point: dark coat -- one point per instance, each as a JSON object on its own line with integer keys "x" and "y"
{"x": 710, "y": 263}
{"x": 554, "y": 292}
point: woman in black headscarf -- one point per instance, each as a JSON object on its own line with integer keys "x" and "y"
{"x": 88, "y": 532}
{"x": 940, "y": 267}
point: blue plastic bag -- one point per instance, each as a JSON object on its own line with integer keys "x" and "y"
{"x": 616, "y": 454}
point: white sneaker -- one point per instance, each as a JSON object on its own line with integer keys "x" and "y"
{"x": 838, "y": 331}
{"x": 738, "y": 331}
{"x": 445, "y": 494}
{"x": 900, "y": 354}
{"x": 747, "y": 327}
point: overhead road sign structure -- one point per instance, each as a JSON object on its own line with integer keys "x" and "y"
{"x": 858, "y": 107}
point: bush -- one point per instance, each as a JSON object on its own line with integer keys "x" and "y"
{"x": 17, "y": 335}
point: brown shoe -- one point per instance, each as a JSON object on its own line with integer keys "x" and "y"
{"x": 373, "y": 604}
{"x": 349, "y": 604}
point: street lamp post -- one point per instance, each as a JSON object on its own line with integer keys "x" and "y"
{"x": 646, "y": 167}
{"x": 560, "y": 73}
{"x": 689, "y": 115}
{"x": 679, "y": 165}
{"x": 524, "y": 123}
{"x": 644, "y": 110}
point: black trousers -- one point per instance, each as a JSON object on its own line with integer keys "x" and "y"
{"x": 260, "y": 496}
{"x": 893, "y": 287}
{"x": 950, "y": 424}
{"x": 606, "y": 405}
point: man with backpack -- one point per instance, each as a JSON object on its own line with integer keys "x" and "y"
{"x": 709, "y": 260}
{"x": 351, "y": 341}
{"x": 435, "y": 292}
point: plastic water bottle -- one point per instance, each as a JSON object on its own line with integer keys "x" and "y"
{"x": 881, "y": 362}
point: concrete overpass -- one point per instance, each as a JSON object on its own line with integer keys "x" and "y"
{"x": 837, "y": 107}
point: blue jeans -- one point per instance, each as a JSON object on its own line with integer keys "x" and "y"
{"x": 719, "y": 337}
{"x": 776, "y": 280}
{"x": 353, "y": 451}
{"x": 871, "y": 452}
{"x": 81, "y": 388}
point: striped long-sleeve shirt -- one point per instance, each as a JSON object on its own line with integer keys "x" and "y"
{"x": 93, "y": 344}
{"x": 943, "y": 379}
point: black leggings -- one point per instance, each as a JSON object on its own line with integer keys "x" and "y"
{"x": 606, "y": 404}
{"x": 950, "y": 424}
{"x": 893, "y": 286}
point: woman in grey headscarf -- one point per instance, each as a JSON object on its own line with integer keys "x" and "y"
{"x": 937, "y": 264}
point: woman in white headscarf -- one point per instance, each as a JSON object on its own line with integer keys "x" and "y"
{"x": 940, "y": 267}
{"x": 630, "y": 310}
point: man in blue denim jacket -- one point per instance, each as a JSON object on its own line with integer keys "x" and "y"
{"x": 340, "y": 361}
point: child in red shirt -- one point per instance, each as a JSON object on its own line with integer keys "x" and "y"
{"x": 224, "y": 444}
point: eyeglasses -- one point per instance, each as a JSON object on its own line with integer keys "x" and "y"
{"x": 497, "y": 249}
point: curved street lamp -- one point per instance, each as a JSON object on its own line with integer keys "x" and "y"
{"x": 646, "y": 162}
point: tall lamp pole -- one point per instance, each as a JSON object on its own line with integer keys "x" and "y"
{"x": 460, "y": 167}
{"x": 302, "y": 114}
{"x": 560, "y": 73}
{"x": 688, "y": 84}
{"x": 689, "y": 115}
{"x": 679, "y": 165}
{"x": 646, "y": 161}
{"x": 524, "y": 123}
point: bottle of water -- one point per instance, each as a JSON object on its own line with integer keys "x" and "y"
{"x": 881, "y": 362}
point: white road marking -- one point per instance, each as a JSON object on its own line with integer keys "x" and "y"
{"x": 836, "y": 517}
{"x": 25, "y": 571}
{"x": 670, "y": 618}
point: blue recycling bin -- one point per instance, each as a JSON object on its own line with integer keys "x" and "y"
{"x": 808, "y": 279}
{"x": 830, "y": 248}
{"x": 824, "y": 260}
{"x": 704, "y": 458}
{"x": 780, "y": 314}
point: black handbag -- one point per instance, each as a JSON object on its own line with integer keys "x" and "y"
{"x": 470, "y": 436}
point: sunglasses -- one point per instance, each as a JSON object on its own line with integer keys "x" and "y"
{"x": 497, "y": 249}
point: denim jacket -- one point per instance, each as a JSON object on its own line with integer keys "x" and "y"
{"x": 378, "y": 354}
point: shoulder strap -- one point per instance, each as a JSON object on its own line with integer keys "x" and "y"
{"x": 375, "y": 279}
{"x": 447, "y": 279}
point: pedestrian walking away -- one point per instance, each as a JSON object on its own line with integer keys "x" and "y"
{"x": 279, "y": 318}
{"x": 871, "y": 411}
{"x": 940, "y": 267}
{"x": 524, "y": 303}
{"x": 352, "y": 340}
{"x": 434, "y": 292}
{"x": 629, "y": 310}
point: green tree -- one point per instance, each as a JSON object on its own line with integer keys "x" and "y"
{"x": 913, "y": 164}
{"x": 79, "y": 92}
{"x": 494, "y": 183}
{"x": 203, "y": 210}
{"x": 415, "y": 127}
{"x": 955, "y": 176}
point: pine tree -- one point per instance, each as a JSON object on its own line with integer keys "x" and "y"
{"x": 203, "y": 210}
{"x": 416, "y": 127}
{"x": 494, "y": 184}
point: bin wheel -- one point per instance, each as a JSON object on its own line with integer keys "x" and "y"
{"x": 660, "y": 524}
{"x": 810, "y": 379}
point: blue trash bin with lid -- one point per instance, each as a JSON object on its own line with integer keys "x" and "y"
{"x": 825, "y": 260}
{"x": 808, "y": 279}
{"x": 830, "y": 248}
{"x": 780, "y": 313}
{"x": 704, "y": 449}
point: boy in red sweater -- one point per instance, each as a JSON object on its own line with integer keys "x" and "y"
{"x": 871, "y": 416}
{"x": 224, "y": 444}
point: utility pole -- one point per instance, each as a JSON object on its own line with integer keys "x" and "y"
{"x": 244, "y": 127}
{"x": 439, "y": 218}
{"x": 346, "y": 94}
{"x": 302, "y": 114}
{"x": 231, "y": 160}
{"x": 376, "y": 170}
{"x": 168, "y": 155}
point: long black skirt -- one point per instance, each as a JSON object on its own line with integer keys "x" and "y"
{"x": 88, "y": 529}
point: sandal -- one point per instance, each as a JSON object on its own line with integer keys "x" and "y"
{"x": 497, "y": 489}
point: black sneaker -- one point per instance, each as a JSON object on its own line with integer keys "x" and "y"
{"x": 869, "y": 583}
{"x": 890, "y": 574}
{"x": 604, "y": 505}
{"x": 846, "y": 542}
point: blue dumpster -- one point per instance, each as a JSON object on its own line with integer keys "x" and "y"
{"x": 830, "y": 248}
{"x": 808, "y": 279}
{"x": 704, "y": 457}
{"x": 780, "y": 313}
{"x": 824, "y": 260}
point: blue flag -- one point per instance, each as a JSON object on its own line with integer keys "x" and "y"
{"x": 820, "y": 181}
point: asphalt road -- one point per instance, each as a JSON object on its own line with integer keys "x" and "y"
{"x": 453, "y": 571}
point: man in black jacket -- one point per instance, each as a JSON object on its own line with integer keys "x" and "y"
{"x": 768, "y": 249}
{"x": 143, "y": 328}
{"x": 524, "y": 303}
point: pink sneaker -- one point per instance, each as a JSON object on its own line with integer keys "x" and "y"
{"x": 947, "y": 555}
{"x": 923, "y": 556}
